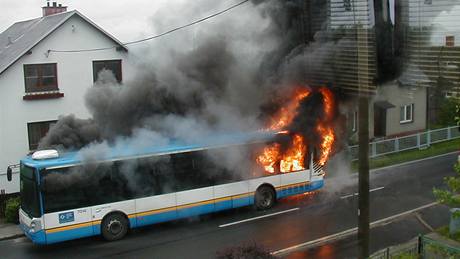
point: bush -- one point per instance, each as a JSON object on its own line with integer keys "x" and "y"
{"x": 245, "y": 251}
{"x": 12, "y": 210}
{"x": 448, "y": 113}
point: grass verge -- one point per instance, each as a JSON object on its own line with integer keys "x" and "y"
{"x": 410, "y": 155}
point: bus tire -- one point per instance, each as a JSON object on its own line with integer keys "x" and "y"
{"x": 265, "y": 197}
{"x": 114, "y": 226}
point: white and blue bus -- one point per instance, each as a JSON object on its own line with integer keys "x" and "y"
{"x": 64, "y": 197}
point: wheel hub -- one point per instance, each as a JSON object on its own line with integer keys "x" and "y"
{"x": 115, "y": 227}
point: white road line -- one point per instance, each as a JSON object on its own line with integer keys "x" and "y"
{"x": 348, "y": 232}
{"x": 256, "y": 218}
{"x": 356, "y": 194}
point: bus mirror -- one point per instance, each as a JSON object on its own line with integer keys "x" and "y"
{"x": 9, "y": 174}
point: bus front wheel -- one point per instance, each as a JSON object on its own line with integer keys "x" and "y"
{"x": 114, "y": 226}
{"x": 265, "y": 197}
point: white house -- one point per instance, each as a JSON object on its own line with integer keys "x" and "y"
{"x": 38, "y": 85}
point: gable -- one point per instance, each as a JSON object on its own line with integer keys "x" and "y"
{"x": 21, "y": 37}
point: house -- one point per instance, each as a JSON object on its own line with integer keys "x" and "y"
{"x": 37, "y": 84}
{"x": 431, "y": 38}
{"x": 397, "y": 106}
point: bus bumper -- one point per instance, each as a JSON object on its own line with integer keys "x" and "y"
{"x": 38, "y": 237}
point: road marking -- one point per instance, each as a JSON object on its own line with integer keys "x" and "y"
{"x": 259, "y": 217}
{"x": 348, "y": 232}
{"x": 356, "y": 194}
{"x": 424, "y": 223}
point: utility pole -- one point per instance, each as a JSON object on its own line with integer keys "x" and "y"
{"x": 363, "y": 49}
{"x": 363, "y": 182}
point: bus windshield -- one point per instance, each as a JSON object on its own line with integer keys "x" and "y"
{"x": 30, "y": 203}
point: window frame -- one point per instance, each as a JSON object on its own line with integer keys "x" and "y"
{"x": 120, "y": 67}
{"x": 33, "y": 146}
{"x": 403, "y": 118}
{"x": 39, "y": 87}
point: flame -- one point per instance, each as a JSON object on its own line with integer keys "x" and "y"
{"x": 326, "y": 132}
{"x": 269, "y": 157}
{"x": 273, "y": 159}
{"x": 327, "y": 140}
{"x": 328, "y": 100}
{"x": 287, "y": 113}
{"x": 293, "y": 158}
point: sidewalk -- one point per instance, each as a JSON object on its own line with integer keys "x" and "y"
{"x": 9, "y": 231}
{"x": 394, "y": 233}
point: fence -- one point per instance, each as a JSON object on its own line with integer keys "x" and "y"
{"x": 416, "y": 141}
{"x": 425, "y": 246}
{"x": 409, "y": 248}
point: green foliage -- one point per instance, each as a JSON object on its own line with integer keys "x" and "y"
{"x": 12, "y": 210}
{"x": 440, "y": 251}
{"x": 444, "y": 231}
{"x": 450, "y": 197}
{"x": 405, "y": 256}
{"x": 448, "y": 113}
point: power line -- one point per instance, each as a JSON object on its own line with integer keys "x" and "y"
{"x": 158, "y": 35}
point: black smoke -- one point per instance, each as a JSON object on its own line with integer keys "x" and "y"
{"x": 223, "y": 83}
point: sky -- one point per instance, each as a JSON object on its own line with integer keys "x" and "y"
{"x": 126, "y": 20}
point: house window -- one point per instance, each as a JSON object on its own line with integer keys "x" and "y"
{"x": 347, "y": 5}
{"x": 36, "y": 131}
{"x": 450, "y": 41}
{"x": 40, "y": 77}
{"x": 407, "y": 113}
{"x": 112, "y": 65}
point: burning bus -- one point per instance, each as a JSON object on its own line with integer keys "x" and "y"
{"x": 66, "y": 197}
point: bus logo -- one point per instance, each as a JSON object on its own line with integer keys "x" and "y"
{"x": 66, "y": 217}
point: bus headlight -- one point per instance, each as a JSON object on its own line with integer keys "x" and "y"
{"x": 35, "y": 226}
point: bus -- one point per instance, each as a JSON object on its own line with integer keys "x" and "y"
{"x": 67, "y": 196}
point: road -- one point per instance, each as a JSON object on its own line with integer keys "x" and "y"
{"x": 302, "y": 218}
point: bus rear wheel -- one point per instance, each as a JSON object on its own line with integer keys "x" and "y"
{"x": 114, "y": 227}
{"x": 265, "y": 198}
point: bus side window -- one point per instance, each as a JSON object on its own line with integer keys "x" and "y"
{"x": 64, "y": 189}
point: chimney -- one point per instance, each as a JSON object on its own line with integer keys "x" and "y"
{"x": 54, "y": 9}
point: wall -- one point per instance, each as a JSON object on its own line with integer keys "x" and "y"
{"x": 399, "y": 96}
{"x": 75, "y": 76}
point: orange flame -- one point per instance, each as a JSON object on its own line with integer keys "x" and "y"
{"x": 293, "y": 158}
{"x": 269, "y": 157}
{"x": 327, "y": 140}
{"x": 273, "y": 159}
{"x": 286, "y": 114}
{"x": 328, "y": 100}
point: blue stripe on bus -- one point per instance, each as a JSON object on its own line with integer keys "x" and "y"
{"x": 223, "y": 205}
{"x": 241, "y": 202}
{"x": 95, "y": 229}
{"x": 156, "y": 218}
{"x": 69, "y": 234}
{"x": 285, "y": 192}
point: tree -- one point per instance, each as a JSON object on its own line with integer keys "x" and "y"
{"x": 451, "y": 196}
{"x": 448, "y": 112}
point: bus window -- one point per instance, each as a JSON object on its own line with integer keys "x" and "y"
{"x": 29, "y": 191}
{"x": 82, "y": 186}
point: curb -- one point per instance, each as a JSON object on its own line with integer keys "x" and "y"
{"x": 11, "y": 237}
